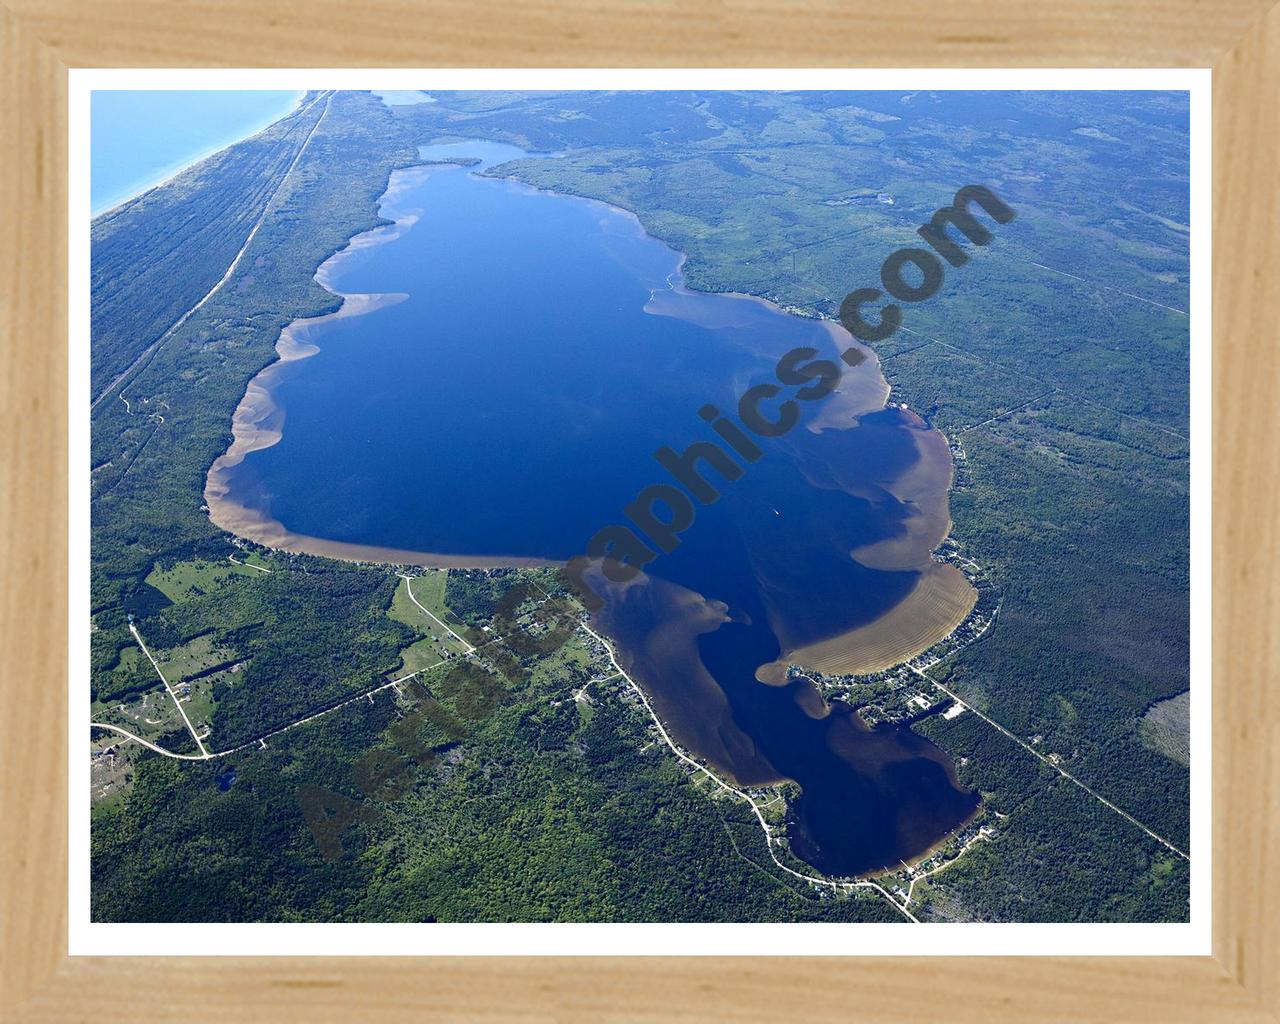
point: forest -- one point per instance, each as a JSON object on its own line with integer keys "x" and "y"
{"x": 205, "y": 214}
{"x": 544, "y": 808}
{"x": 1066, "y": 396}
{"x": 1056, "y": 360}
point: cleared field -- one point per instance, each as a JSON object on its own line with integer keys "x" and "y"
{"x": 150, "y": 714}
{"x": 1166, "y": 728}
{"x": 436, "y": 641}
{"x": 153, "y": 714}
{"x": 111, "y": 761}
{"x": 420, "y": 655}
{"x": 428, "y": 588}
{"x": 191, "y": 579}
{"x": 936, "y": 606}
{"x": 196, "y": 656}
{"x": 197, "y": 701}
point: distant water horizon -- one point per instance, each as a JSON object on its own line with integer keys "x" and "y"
{"x": 144, "y": 137}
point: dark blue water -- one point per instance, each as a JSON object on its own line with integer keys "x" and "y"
{"x": 511, "y": 405}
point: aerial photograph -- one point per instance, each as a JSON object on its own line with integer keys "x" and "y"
{"x": 639, "y": 506}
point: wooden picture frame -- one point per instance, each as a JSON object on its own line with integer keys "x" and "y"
{"x": 42, "y": 39}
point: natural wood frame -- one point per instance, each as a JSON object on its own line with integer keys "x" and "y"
{"x": 41, "y": 39}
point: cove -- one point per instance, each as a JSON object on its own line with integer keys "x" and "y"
{"x": 504, "y": 365}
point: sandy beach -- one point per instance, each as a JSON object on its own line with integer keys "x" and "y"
{"x": 258, "y": 421}
{"x": 935, "y": 606}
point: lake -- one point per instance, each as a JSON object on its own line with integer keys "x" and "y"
{"x": 506, "y": 364}
{"x": 142, "y": 137}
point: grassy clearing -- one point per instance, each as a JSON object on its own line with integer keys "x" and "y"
{"x": 193, "y": 579}
{"x": 252, "y": 558}
{"x": 420, "y": 655}
{"x": 434, "y": 643}
{"x": 200, "y": 698}
{"x": 1166, "y": 728}
{"x": 153, "y": 714}
{"x": 150, "y": 714}
{"x": 193, "y": 657}
{"x": 197, "y": 701}
{"x": 111, "y": 762}
{"x": 429, "y": 589}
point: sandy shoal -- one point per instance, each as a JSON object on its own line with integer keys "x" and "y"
{"x": 932, "y": 610}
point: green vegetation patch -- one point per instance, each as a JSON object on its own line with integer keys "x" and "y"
{"x": 194, "y": 657}
{"x": 1056, "y": 846}
{"x": 437, "y": 642}
{"x": 535, "y": 811}
{"x": 1166, "y": 728}
{"x": 194, "y": 578}
{"x": 149, "y": 715}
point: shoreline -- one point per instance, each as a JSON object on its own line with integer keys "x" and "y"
{"x": 935, "y": 607}
{"x": 736, "y": 789}
{"x": 257, "y": 423}
{"x": 177, "y": 168}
